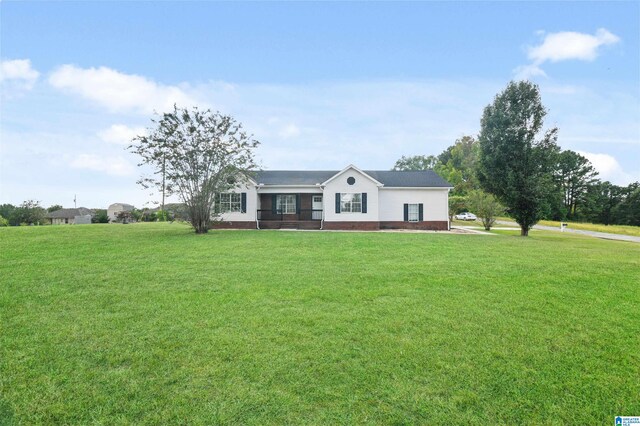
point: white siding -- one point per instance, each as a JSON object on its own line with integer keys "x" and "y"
{"x": 252, "y": 205}
{"x": 362, "y": 184}
{"x": 82, "y": 219}
{"x": 116, "y": 208}
{"x": 435, "y": 203}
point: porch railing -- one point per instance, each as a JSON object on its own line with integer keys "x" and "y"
{"x": 304, "y": 214}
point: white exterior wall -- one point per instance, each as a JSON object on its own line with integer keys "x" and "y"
{"x": 82, "y": 220}
{"x": 252, "y": 205}
{"x": 435, "y": 203}
{"x": 339, "y": 184}
{"x": 116, "y": 208}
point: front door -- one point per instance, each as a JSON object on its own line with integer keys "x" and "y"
{"x": 316, "y": 205}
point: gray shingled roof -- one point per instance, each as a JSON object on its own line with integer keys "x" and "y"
{"x": 68, "y": 213}
{"x": 389, "y": 178}
{"x": 292, "y": 177}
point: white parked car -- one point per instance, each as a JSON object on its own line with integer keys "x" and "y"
{"x": 466, "y": 216}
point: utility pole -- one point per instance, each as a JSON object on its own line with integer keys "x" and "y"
{"x": 75, "y": 205}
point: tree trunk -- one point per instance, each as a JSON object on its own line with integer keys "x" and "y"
{"x": 524, "y": 231}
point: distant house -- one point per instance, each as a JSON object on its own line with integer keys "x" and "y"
{"x": 116, "y": 208}
{"x": 79, "y": 216}
{"x": 347, "y": 199}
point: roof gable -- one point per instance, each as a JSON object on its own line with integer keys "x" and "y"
{"x": 352, "y": 167}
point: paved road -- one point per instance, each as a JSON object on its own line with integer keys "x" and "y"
{"x": 604, "y": 235}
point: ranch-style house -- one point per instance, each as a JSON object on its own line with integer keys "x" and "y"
{"x": 346, "y": 199}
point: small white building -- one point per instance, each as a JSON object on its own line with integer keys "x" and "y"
{"x": 347, "y": 199}
{"x": 116, "y": 208}
{"x": 79, "y": 216}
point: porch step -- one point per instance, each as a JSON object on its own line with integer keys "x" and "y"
{"x": 289, "y": 225}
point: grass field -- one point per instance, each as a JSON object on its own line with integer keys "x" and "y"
{"x": 633, "y": 231}
{"x": 151, "y": 324}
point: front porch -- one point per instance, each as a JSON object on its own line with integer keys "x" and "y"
{"x": 290, "y": 211}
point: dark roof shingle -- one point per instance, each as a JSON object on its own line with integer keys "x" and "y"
{"x": 68, "y": 213}
{"x": 389, "y": 178}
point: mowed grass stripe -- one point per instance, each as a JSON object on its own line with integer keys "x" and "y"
{"x": 149, "y": 323}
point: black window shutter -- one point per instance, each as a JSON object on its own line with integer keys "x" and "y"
{"x": 243, "y": 202}
{"x": 406, "y": 212}
{"x": 298, "y": 203}
{"x": 364, "y": 202}
{"x": 337, "y": 202}
{"x": 274, "y": 208}
{"x": 216, "y": 203}
{"x": 420, "y": 212}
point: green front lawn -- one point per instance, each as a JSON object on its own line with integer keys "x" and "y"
{"x": 633, "y": 231}
{"x": 151, "y": 324}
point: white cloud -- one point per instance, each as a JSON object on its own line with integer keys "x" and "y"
{"x": 370, "y": 123}
{"x": 120, "y": 134}
{"x": 289, "y": 131}
{"x": 115, "y": 166}
{"x": 284, "y": 131}
{"x": 568, "y": 45}
{"x": 564, "y": 46}
{"x": 17, "y": 74}
{"x": 608, "y": 168}
{"x": 526, "y": 72}
{"x": 119, "y": 92}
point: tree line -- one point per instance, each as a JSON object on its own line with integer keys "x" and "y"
{"x": 515, "y": 162}
{"x": 30, "y": 212}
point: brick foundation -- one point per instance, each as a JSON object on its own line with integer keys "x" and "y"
{"x": 360, "y": 226}
{"x": 433, "y": 225}
{"x": 357, "y": 226}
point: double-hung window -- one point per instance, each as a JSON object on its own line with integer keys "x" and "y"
{"x": 413, "y": 213}
{"x": 230, "y": 202}
{"x": 286, "y": 203}
{"x": 351, "y": 202}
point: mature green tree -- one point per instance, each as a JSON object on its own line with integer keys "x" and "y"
{"x": 54, "y": 208}
{"x": 100, "y": 216}
{"x": 197, "y": 154}
{"x": 458, "y": 164}
{"x": 416, "y": 162}
{"x": 3, "y": 221}
{"x": 601, "y": 200}
{"x": 6, "y": 210}
{"x": 627, "y": 212}
{"x": 28, "y": 213}
{"x": 485, "y": 206}
{"x": 514, "y": 164}
{"x": 457, "y": 204}
{"x": 574, "y": 175}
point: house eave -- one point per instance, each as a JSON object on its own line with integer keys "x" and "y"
{"x": 417, "y": 187}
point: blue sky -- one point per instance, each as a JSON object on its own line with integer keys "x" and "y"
{"x": 321, "y": 85}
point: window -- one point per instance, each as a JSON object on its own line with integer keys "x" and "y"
{"x": 413, "y": 213}
{"x": 286, "y": 203}
{"x": 230, "y": 202}
{"x": 351, "y": 203}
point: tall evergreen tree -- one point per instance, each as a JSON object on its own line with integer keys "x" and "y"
{"x": 514, "y": 164}
{"x": 574, "y": 175}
